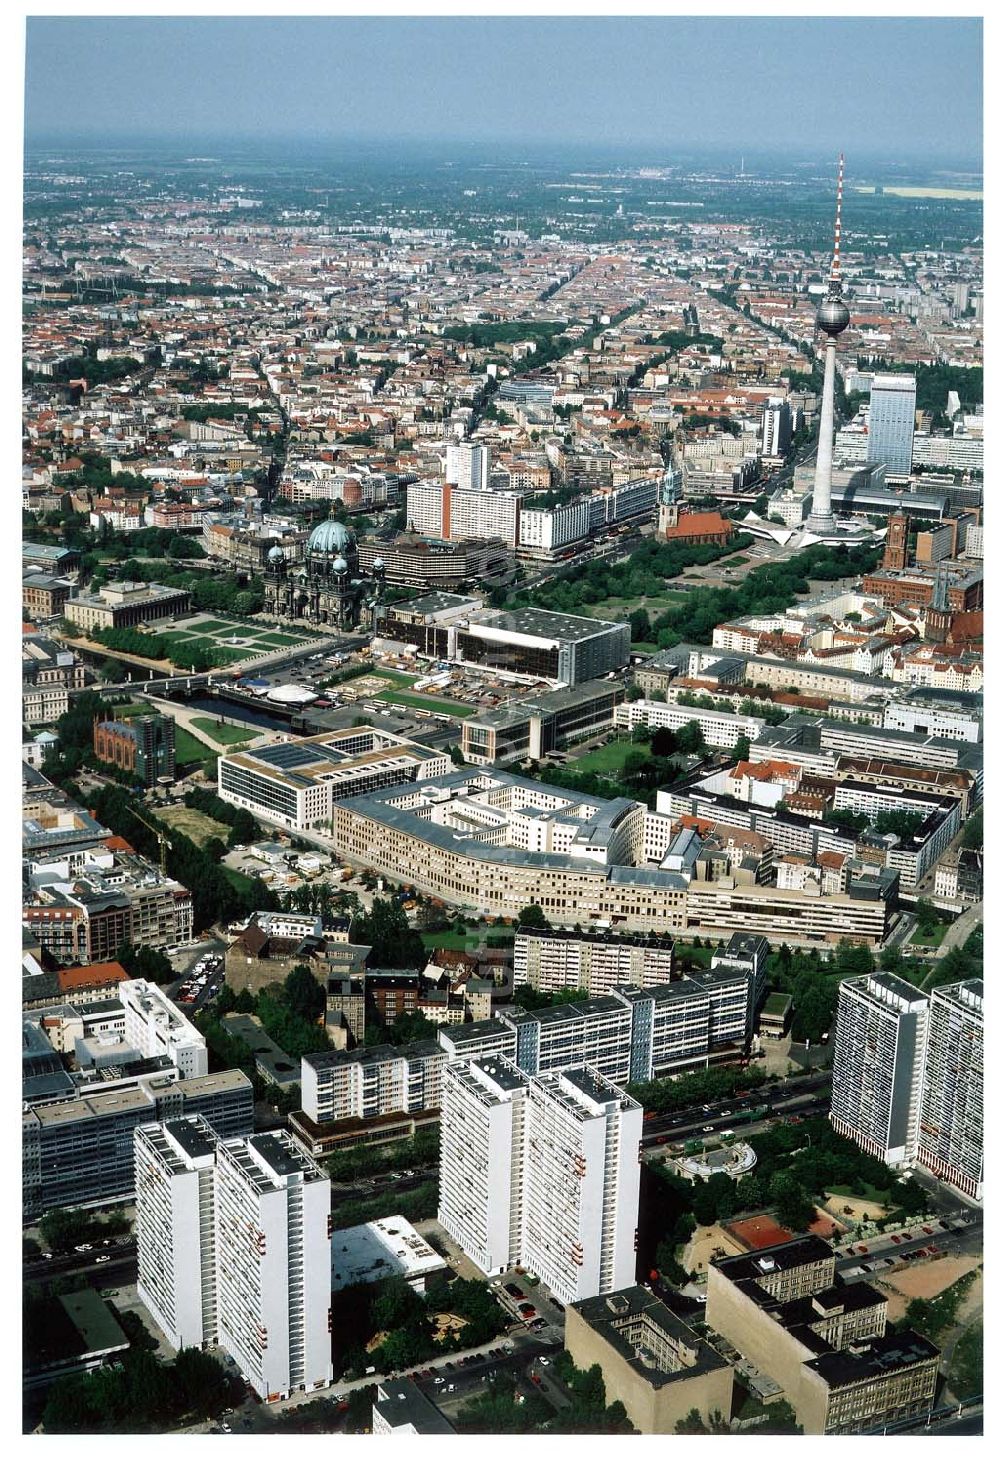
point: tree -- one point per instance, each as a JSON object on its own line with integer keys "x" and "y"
{"x": 394, "y": 944}
{"x": 791, "y": 1202}
{"x": 779, "y": 1418}
{"x": 663, "y": 743}
{"x": 972, "y": 835}
{"x": 303, "y": 994}
{"x": 690, "y": 739}
{"x": 741, "y": 749}
{"x": 145, "y": 962}
{"x": 533, "y": 916}
{"x": 890, "y": 959}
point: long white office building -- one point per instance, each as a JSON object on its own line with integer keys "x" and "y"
{"x": 717, "y": 727}
{"x": 156, "y": 1027}
{"x": 950, "y": 1142}
{"x": 234, "y": 1248}
{"x": 878, "y": 1057}
{"x": 297, "y": 783}
{"x": 542, "y": 1172}
{"x": 549, "y": 960}
{"x": 367, "y": 1082}
{"x": 626, "y": 1035}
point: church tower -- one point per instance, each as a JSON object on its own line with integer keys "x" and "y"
{"x": 896, "y": 537}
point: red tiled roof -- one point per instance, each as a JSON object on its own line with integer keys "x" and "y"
{"x": 91, "y": 976}
{"x": 698, "y": 524}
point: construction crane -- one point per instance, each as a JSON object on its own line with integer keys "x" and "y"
{"x": 164, "y": 842}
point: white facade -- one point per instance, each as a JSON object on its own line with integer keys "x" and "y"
{"x": 776, "y": 428}
{"x": 541, "y": 1171}
{"x": 481, "y": 514}
{"x": 595, "y": 964}
{"x": 483, "y": 1104}
{"x": 155, "y": 1027}
{"x": 877, "y": 1061}
{"x": 175, "y": 1228}
{"x": 545, "y": 529}
{"x": 366, "y": 1083}
{"x": 467, "y": 466}
{"x": 929, "y": 719}
{"x": 718, "y": 727}
{"x": 951, "y": 1107}
{"x": 581, "y": 1201}
{"x": 273, "y": 1244}
{"x": 425, "y": 508}
{"x": 234, "y": 1248}
{"x": 298, "y": 785}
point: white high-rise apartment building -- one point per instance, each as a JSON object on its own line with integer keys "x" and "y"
{"x": 474, "y": 513}
{"x": 155, "y": 1027}
{"x": 581, "y": 1187}
{"x": 483, "y": 1104}
{"x": 273, "y": 1229}
{"x": 234, "y": 1247}
{"x": 776, "y": 428}
{"x": 467, "y": 466}
{"x": 878, "y": 1057}
{"x": 175, "y": 1228}
{"x": 541, "y": 1171}
{"x": 425, "y": 508}
{"x": 950, "y": 1142}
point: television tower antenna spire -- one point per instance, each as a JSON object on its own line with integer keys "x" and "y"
{"x": 835, "y": 268}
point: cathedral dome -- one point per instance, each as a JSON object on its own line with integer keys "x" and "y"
{"x": 276, "y": 554}
{"x": 339, "y": 564}
{"x": 329, "y": 536}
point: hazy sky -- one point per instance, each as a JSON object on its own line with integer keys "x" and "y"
{"x": 891, "y": 87}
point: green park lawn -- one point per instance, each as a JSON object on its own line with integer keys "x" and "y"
{"x": 394, "y": 676}
{"x": 453, "y": 941}
{"x": 609, "y": 759}
{"x": 686, "y": 952}
{"x": 188, "y": 750}
{"x": 224, "y": 734}
{"x": 435, "y": 706}
{"x": 622, "y": 607}
{"x": 931, "y": 939}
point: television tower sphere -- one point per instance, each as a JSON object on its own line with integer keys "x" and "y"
{"x": 832, "y": 316}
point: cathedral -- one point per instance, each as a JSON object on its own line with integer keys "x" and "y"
{"x": 327, "y": 587}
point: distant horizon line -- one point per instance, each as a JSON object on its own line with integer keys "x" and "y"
{"x": 738, "y": 151}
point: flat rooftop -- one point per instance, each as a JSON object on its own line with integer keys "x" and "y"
{"x": 379, "y": 1249}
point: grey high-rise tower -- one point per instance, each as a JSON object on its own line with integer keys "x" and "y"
{"x": 832, "y": 319}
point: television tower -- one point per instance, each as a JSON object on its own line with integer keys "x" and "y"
{"x": 832, "y": 318}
